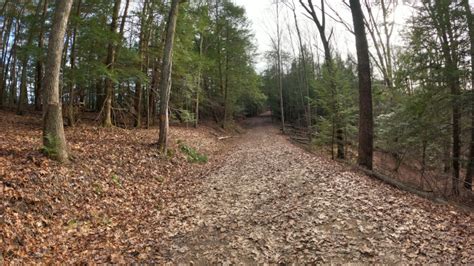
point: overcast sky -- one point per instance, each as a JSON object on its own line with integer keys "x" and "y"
{"x": 261, "y": 14}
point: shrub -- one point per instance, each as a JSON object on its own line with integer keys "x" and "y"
{"x": 193, "y": 155}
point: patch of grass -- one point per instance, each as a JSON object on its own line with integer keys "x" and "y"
{"x": 72, "y": 223}
{"x": 159, "y": 206}
{"x": 160, "y": 178}
{"x": 98, "y": 189}
{"x": 106, "y": 221}
{"x": 193, "y": 155}
{"x": 170, "y": 153}
{"x": 116, "y": 180}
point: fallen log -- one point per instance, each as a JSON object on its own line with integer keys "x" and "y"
{"x": 399, "y": 184}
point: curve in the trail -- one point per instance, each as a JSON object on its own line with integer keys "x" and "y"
{"x": 273, "y": 202}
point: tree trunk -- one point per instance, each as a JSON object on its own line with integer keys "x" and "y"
{"x": 280, "y": 78}
{"x": 124, "y": 17}
{"x": 13, "y": 66}
{"x": 165, "y": 81}
{"x": 305, "y": 72}
{"x": 152, "y": 93}
{"x": 321, "y": 25}
{"x": 13, "y": 79}
{"x": 72, "y": 59}
{"x": 109, "y": 84}
{"x": 3, "y": 41}
{"x": 470, "y": 165}
{"x": 226, "y": 84}
{"x": 440, "y": 15}
{"x": 54, "y": 139}
{"x": 366, "y": 122}
{"x": 198, "y": 87}
{"x": 40, "y": 61}
{"x": 23, "y": 99}
{"x": 141, "y": 47}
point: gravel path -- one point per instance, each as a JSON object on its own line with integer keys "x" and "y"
{"x": 273, "y": 202}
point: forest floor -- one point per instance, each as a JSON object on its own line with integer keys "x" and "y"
{"x": 259, "y": 199}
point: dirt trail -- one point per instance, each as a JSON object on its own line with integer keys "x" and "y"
{"x": 273, "y": 202}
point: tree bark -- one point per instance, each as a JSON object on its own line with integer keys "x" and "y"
{"x": 226, "y": 83}
{"x": 441, "y": 17}
{"x": 280, "y": 78}
{"x": 109, "y": 84}
{"x": 470, "y": 165}
{"x": 321, "y": 25}
{"x": 3, "y": 41}
{"x": 54, "y": 139}
{"x": 23, "y": 100}
{"x": 72, "y": 96}
{"x": 40, "y": 61}
{"x": 13, "y": 66}
{"x": 366, "y": 122}
{"x": 142, "y": 43}
{"x": 305, "y": 71}
{"x": 198, "y": 86}
{"x": 165, "y": 81}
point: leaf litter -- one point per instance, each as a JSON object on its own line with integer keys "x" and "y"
{"x": 258, "y": 199}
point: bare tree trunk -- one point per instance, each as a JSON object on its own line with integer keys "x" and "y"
{"x": 366, "y": 121}
{"x": 23, "y": 99}
{"x": 152, "y": 93}
{"x": 54, "y": 139}
{"x": 71, "y": 115}
{"x": 321, "y": 25}
{"x": 226, "y": 84}
{"x": 13, "y": 67}
{"x": 382, "y": 48}
{"x": 280, "y": 78}
{"x": 440, "y": 15}
{"x": 165, "y": 81}
{"x": 4, "y": 33}
{"x": 40, "y": 62}
{"x": 198, "y": 87}
{"x": 142, "y": 43}
{"x": 109, "y": 84}
{"x": 124, "y": 17}
{"x": 470, "y": 165}
{"x": 13, "y": 78}
{"x": 305, "y": 71}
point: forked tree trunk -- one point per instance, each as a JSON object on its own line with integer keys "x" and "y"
{"x": 54, "y": 139}
{"x": 165, "y": 81}
{"x": 366, "y": 122}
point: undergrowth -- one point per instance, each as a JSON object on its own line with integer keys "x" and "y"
{"x": 193, "y": 155}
